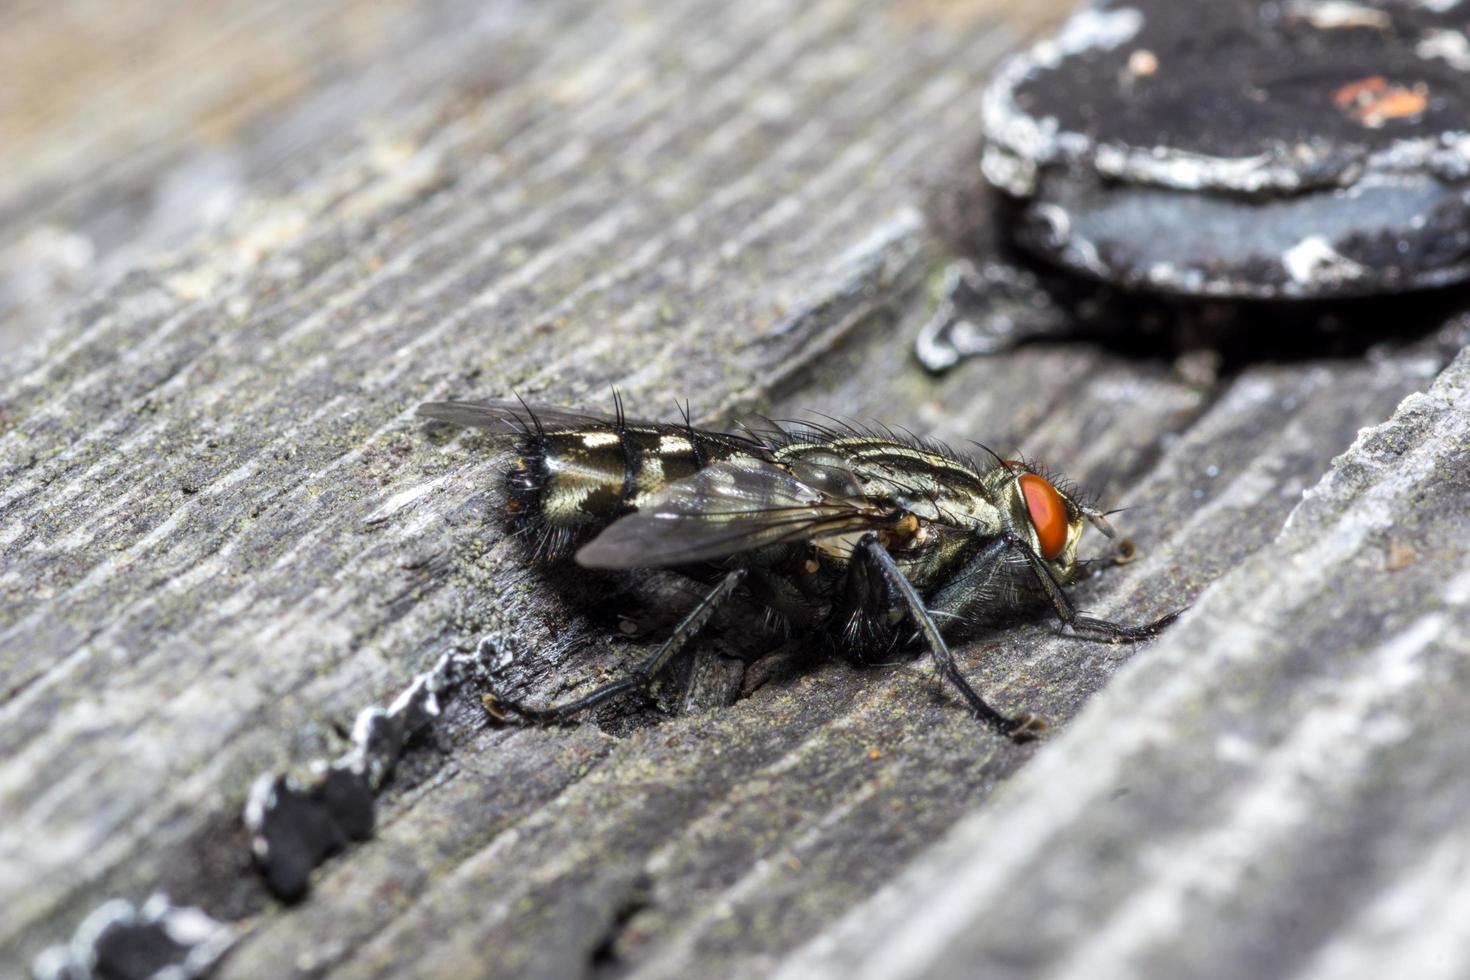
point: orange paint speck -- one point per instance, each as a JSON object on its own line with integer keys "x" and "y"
{"x": 1373, "y": 101}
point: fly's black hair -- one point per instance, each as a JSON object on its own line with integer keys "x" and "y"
{"x": 807, "y": 431}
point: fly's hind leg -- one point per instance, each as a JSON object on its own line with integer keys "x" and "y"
{"x": 637, "y": 679}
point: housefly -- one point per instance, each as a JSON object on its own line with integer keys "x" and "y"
{"x": 877, "y": 540}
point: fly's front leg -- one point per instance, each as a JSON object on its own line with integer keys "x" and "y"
{"x": 1086, "y": 627}
{"x": 1022, "y": 728}
{"x": 638, "y": 679}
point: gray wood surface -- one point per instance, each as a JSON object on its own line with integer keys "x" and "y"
{"x": 223, "y": 535}
{"x": 1275, "y": 789}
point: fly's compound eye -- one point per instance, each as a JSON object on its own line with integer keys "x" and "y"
{"x": 1048, "y": 515}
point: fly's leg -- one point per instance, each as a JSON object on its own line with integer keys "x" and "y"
{"x": 1086, "y": 627}
{"x": 1021, "y": 728}
{"x": 637, "y": 679}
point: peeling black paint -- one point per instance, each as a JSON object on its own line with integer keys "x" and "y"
{"x": 1230, "y": 150}
{"x": 1242, "y": 149}
{"x": 120, "y": 941}
{"x": 296, "y": 825}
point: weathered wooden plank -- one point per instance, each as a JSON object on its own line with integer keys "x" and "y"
{"x": 192, "y": 590}
{"x": 1277, "y": 789}
{"x": 223, "y": 534}
{"x": 138, "y": 126}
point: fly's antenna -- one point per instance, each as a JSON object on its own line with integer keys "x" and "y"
{"x": 1099, "y": 520}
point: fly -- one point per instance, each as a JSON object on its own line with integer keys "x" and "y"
{"x": 858, "y": 534}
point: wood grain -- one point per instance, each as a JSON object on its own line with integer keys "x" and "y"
{"x": 223, "y": 535}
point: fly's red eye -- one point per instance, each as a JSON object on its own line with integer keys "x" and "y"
{"x": 1048, "y": 515}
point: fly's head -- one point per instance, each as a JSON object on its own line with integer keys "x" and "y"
{"x": 1046, "y": 514}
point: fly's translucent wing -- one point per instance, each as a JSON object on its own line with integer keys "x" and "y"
{"x": 511, "y": 417}
{"x": 828, "y": 473}
{"x": 729, "y": 507}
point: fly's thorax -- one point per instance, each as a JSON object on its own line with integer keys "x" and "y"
{"x": 938, "y": 488}
{"x": 940, "y": 503}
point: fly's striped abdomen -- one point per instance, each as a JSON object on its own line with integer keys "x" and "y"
{"x": 574, "y": 482}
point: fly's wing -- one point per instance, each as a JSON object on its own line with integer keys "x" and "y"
{"x": 511, "y": 417}
{"x": 734, "y": 506}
